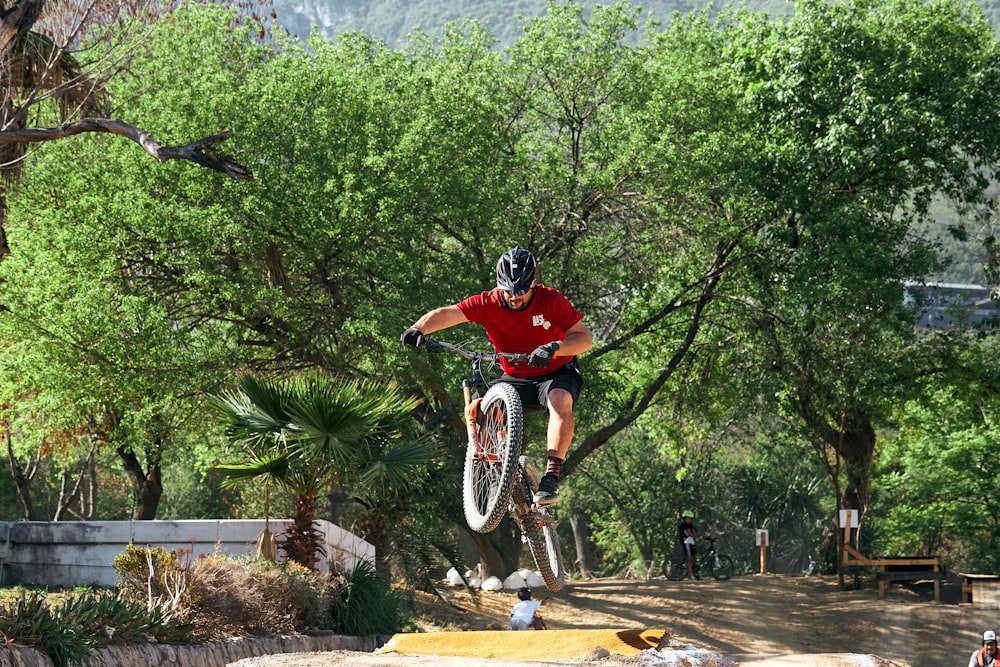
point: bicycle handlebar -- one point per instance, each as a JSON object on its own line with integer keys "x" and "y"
{"x": 433, "y": 345}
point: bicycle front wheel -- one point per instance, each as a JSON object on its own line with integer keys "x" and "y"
{"x": 490, "y": 468}
{"x": 721, "y": 567}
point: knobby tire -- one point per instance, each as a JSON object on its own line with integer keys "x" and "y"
{"x": 544, "y": 544}
{"x": 490, "y": 472}
{"x": 724, "y": 570}
{"x": 675, "y": 568}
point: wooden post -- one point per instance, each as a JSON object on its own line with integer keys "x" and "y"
{"x": 847, "y": 518}
{"x": 762, "y": 542}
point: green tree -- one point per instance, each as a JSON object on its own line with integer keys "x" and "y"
{"x": 860, "y": 163}
{"x": 308, "y": 432}
{"x": 47, "y": 75}
{"x": 937, "y": 469}
{"x": 58, "y": 61}
{"x": 708, "y": 200}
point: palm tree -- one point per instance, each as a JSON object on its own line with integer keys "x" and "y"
{"x": 309, "y": 431}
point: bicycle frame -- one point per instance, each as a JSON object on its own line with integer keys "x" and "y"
{"x": 708, "y": 556}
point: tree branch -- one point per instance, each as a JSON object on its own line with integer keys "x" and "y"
{"x": 634, "y": 409}
{"x": 196, "y": 151}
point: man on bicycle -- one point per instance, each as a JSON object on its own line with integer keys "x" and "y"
{"x": 522, "y": 316}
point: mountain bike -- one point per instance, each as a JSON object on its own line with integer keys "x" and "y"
{"x": 497, "y": 477}
{"x": 719, "y": 565}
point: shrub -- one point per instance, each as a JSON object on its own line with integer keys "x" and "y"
{"x": 217, "y": 596}
{"x": 366, "y": 605}
{"x": 66, "y": 627}
{"x": 299, "y": 595}
{"x": 31, "y": 623}
{"x": 231, "y": 596}
{"x": 152, "y": 574}
{"x": 103, "y": 617}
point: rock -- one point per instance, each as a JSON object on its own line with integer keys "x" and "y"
{"x": 522, "y": 578}
{"x": 492, "y": 584}
{"x": 598, "y": 653}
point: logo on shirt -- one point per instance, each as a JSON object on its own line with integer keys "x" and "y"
{"x": 540, "y": 321}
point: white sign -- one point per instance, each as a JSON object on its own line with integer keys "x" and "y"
{"x": 848, "y": 518}
{"x": 761, "y": 538}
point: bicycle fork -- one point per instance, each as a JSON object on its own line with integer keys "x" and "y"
{"x": 471, "y": 415}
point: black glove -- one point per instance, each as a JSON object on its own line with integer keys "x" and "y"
{"x": 542, "y": 355}
{"x": 413, "y": 337}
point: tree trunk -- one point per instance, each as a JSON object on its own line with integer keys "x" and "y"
{"x": 302, "y": 540}
{"x": 71, "y": 485}
{"x": 470, "y": 547}
{"x": 22, "y": 480}
{"x": 856, "y": 445}
{"x": 370, "y": 526}
{"x": 499, "y": 551}
{"x": 147, "y": 486}
{"x": 336, "y": 499}
{"x": 581, "y": 537}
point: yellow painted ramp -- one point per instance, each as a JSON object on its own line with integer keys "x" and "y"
{"x": 526, "y": 645}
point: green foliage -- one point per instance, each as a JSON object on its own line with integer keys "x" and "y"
{"x": 30, "y": 622}
{"x": 367, "y": 604}
{"x": 67, "y": 628}
{"x": 937, "y": 478}
{"x": 103, "y": 617}
{"x": 632, "y": 500}
{"x": 731, "y": 201}
{"x": 308, "y": 432}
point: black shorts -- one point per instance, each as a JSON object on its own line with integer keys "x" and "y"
{"x": 534, "y": 391}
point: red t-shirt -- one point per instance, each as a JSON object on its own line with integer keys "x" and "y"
{"x": 547, "y": 318}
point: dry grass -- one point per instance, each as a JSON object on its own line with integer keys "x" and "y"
{"x": 228, "y": 598}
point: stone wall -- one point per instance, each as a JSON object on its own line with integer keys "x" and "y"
{"x": 209, "y": 654}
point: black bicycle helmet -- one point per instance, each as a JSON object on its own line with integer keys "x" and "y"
{"x": 516, "y": 271}
{"x": 524, "y": 593}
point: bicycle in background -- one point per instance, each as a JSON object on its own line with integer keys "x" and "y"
{"x": 709, "y": 560}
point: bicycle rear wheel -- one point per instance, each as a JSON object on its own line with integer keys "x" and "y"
{"x": 675, "y": 568}
{"x": 721, "y": 567}
{"x": 544, "y": 544}
{"x": 490, "y": 469}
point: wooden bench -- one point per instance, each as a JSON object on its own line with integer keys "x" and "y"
{"x": 908, "y": 568}
{"x": 899, "y": 568}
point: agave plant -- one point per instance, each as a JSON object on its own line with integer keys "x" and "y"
{"x": 309, "y": 431}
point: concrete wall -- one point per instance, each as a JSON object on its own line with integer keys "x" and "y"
{"x": 64, "y": 554}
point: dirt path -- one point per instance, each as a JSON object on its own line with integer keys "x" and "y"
{"x": 749, "y": 619}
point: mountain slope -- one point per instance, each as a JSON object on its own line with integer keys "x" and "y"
{"x": 392, "y": 20}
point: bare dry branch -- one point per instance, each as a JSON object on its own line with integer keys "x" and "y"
{"x": 196, "y": 151}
